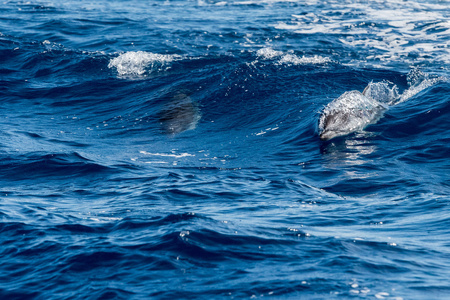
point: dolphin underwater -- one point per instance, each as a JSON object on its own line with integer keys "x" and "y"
{"x": 180, "y": 114}
{"x": 353, "y": 110}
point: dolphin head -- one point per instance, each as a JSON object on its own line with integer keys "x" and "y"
{"x": 331, "y": 125}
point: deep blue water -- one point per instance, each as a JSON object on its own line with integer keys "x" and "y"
{"x": 170, "y": 150}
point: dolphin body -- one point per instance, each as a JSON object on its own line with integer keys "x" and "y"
{"x": 180, "y": 114}
{"x": 354, "y": 110}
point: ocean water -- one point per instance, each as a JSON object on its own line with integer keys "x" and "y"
{"x": 170, "y": 150}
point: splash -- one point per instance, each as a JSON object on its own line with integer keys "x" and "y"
{"x": 385, "y": 92}
{"x": 418, "y": 81}
{"x": 137, "y": 64}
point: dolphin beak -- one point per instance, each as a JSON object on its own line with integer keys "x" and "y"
{"x": 328, "y": 135}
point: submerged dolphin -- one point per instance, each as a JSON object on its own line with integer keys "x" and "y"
{"x": 354, "y": 110}
{"x": 181, "y": 113}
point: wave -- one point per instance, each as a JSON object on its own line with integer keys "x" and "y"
{"x": 57, "y": 166}
{"x": 169, "y": 149}
{"x": 424, "y": 114}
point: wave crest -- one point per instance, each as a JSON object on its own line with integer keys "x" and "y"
{"x": 289, "y": 58}
{"x": 136, "y": 64}
{"x": 418, "y": 81}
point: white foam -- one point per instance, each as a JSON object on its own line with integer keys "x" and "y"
{"x": 289, "y": 58}
{"x": 418, "y": 81}
{"x": 268, "y": 53}
{"x": 130, "y": 64}
{"x": 304, "y": 60}
{"x": 260, "y": 2}
{"x": 167, "y": 154}
{"x": 413, "y": 90}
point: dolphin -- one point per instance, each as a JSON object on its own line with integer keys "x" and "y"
{"x": 181, "y": 113}
{"x": 353, "y": 110}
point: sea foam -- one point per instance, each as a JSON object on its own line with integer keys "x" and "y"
{"x": 137, "y": 64}
{"x": 291, "y": 59}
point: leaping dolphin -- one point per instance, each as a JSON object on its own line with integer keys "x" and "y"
{"x": 354, "y": 110}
